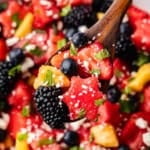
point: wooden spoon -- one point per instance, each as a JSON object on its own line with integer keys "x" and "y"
{"x": 105, "y": 29}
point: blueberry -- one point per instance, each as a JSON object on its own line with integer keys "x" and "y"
{"x": 69, "y": 67}
{"x": 113, "y": 94}
{"x": 16, "y": 54}
{"x": 3, "y": 134}
{"x": 71, "y": 138}
{"x": 123, "y": 147}
{"x": 79, "y": 39}
{"x": 70, "y": 32}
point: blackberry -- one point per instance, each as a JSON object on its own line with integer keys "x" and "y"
{"x": 3, "y": 134}
{"x": 80, "y": 15}
{"x": 53, "y": 110}
{"x": 6, "y": 81}
{"x": 123, "y": 147}
{"x": 125, "y": 29}
{"x": 70, "y": 32}
{"x": 101, "y": 5}
{"x": 125, "y": 49}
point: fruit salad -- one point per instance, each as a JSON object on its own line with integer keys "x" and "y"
{"x": 80, "y": 98}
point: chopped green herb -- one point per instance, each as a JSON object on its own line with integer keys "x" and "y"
{"x": 142, "y": 59}
{"x": 73, "y": 50}
{"x": 61, "y": 43}
{"x": 118, "y": 73}
{"x": 102, "y": 54}
{"x": 81, "y": 113}
{"x": 99, "y": 102}
{"x": 15, "y": 18}
{"x": 127, "y": 90}
{"x": 49, "y": 78}
{"x": 3, "y": 6}
{"x": 45, "y": 141}
{"x": 95, "y": 72}
{"x": 128, "y": 106}
{"x": 25, "y": 111}
{"x": 37, "y": 51}
{"x": 22, "y": 136}
{"x": 13, "y": 71}
{"x": 65, "y": 10}
{"x": 76, "y": 148}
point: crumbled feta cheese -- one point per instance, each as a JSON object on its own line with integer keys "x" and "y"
{"x": 141, "y": 123}
{"x": 28, "y": 63}
{"x": 146, "y": 138}
{"x": 12, "y": 41}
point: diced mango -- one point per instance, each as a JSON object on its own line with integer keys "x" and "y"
{"x": 142, "y": 77}
{"x": 49, "y": 75}
{"x": 100, "y": 15}
{"x": 105, "y": 135}
{"x": 21, "y": 144}
{"x": 25, "y": 27}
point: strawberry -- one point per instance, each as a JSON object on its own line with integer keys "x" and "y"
{"x": 121, "y": 72}
{"x": 82, "y": 96}
{"x": 21, "y": 95}
{"x": 131, "y": 133}
{"x": 109, "y": 113}
{"x": 145, "y": 106}
{"x": 3, "y": 49}
{"x": 141, "y": 35}
{"x": 135, "y": 14}
{"x": 44, "y": 14}
{"x": 17, "y": 121}
{"x": 94, "y": 62}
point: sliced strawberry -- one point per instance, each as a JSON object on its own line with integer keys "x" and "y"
{"x": 17, "y": 121}
{"x": 135, "y": 14}
{"x": 44, "y": 14}
{"x": 131, "y": 133}
{"x": 145, "y": 106}
{"x": 81, "y": 97}
{"x": 3, "y": 49}
{"x": 121, "y": 72}
{"x": 141, "y": 35}
{"x": 109, "y": 113}
{"x": 87, "y": 59}
{"x": 21, "y": 95}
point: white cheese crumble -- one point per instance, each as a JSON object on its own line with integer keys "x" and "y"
{"x": 146, "y": 138}
{"x": 28, "y": 63}
{"x": 12, "y": 41}
{"x": 4, "y": 121}
{"x": 141, "y": 123}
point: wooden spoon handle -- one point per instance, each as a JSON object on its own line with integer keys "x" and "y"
{"x": 105, "y": 29}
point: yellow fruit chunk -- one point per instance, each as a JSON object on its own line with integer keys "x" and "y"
{"x": 25, "y": 27}
{"x": 142, "y": 77}
{"x": 100, "y": 15}
{"x": 105, "y": 135}
{"x": 49, "y": 75}
{"x": 21, "y": 142}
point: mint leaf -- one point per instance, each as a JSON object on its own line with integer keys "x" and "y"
{"x": 95, "y": 72}
{"x": 65, "y": 10}
{"x": 99, "y": 102}
{"x": 142, "y": 59}
{"x": 15, "y": 18}
{"x": 22, "y": 136}
{"x": 76, "y": 148}
{"x": 13, "y": 71}
{"x": 81, "y": 113}
{"x": 45, "y": 141}
{"x": 37, "y": 52}
{"x": 73, "y": 50}
{"x": 25, "y": 111}
{"x": 61, "y": 43}
{"x": 49, "y": 78}
{"x": 118, "y": 73}
{"x": 102, "y": 54}
{"x": 127, "y": 90}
